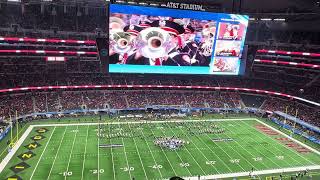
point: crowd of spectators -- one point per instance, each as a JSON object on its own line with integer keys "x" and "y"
{"x": 3, "y": 127}
{"x": 26, "y": 103}
{"x": 311, "y": 93}
{"x": 53, "y": 101}
{"x": 301, "y": 111}
{"x": 304, "y": 131}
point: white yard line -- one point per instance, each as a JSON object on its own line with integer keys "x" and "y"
{"x": 154, "y": 160}
{"x": 271, "y": 171}
{"x": 174, "y": 151}
{"x": 218, "y": 155}
{"x": 112, "y": 158}
{"x": 275, "y": 153}
{"x": 8, "y": 157}
{"x": 226, "y": 152}
{"x": 84, "y": 154}
{"x": 145, "y": 173}
{"x": 34, "y": 170}
{"x": 213, "y": 165}
{"x": 189, "y": 153}
{"x": 252, "y": 156}
{"x": 302, "y": 144}
{"x": 165, "y": 155}
{"x": 269, "y": 137}
{"x": 57, "y": 153}
{"x": 125, "y": 154}
{"x": 245, "y": 158}
{"x": 74, "y": 140}
{"x": 138, "y": 122}
{"x": 99, "y": 131}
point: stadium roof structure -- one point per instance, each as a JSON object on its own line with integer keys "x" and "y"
{"x": 245, "y": 5}
{"x": 302, "y": 14}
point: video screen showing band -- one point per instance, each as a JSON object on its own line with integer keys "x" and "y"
{"x": 160, "y": 40}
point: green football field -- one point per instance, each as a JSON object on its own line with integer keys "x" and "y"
{"x": 220, "y": 148}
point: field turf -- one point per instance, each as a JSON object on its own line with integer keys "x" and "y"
{"x": 81, "y": 151}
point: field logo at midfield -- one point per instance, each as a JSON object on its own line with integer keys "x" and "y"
{"x": 32, "y": 146}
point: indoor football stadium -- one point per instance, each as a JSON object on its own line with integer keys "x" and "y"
{"x": 159, "y": 90}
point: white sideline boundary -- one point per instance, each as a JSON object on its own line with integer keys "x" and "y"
{"x": 291, "y": 138}
{"x": 254, "y": 173}
{"x": 6, "y": 160}
{"x": 15, "y": 148}
{"x": 139, "y": 122}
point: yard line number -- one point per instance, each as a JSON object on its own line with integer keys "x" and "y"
{"x": 156, "y": 166}
{"x": 66, "y": 173}
{"x": 183, "y": 164}
{"x": 95, "y": 171}
{"x": 235, "y": 161}
{"x": 126, "y": 169}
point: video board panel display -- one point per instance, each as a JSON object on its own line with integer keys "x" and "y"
{"x": 171, "y": 41}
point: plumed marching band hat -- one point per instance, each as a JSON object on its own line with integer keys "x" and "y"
{"x": 132, "y": 29}
{"x": 169, "y": 26}
{"x": 144, "y": 25}
{"x": 189, "y": 29}
{"x": 116, "y": 23}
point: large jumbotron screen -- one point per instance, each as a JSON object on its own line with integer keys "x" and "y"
{"x": 171, "y": 41}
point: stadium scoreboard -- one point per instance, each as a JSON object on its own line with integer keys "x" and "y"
{"x": 169, "y": 40}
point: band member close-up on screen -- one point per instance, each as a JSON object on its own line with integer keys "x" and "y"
{"x": 229, "y": 31}
{"x": 160, "y": 41}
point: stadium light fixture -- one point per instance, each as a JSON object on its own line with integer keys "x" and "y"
{"x": 55, "y": 59}
{"x": 252, "y": 19}
{"x": 154, "y": 4}
{"x": 120, "y": 1}
{"x": 14, "y": 0}
{"x": 279, "y": 19}
{"x": 265, "y": 19}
